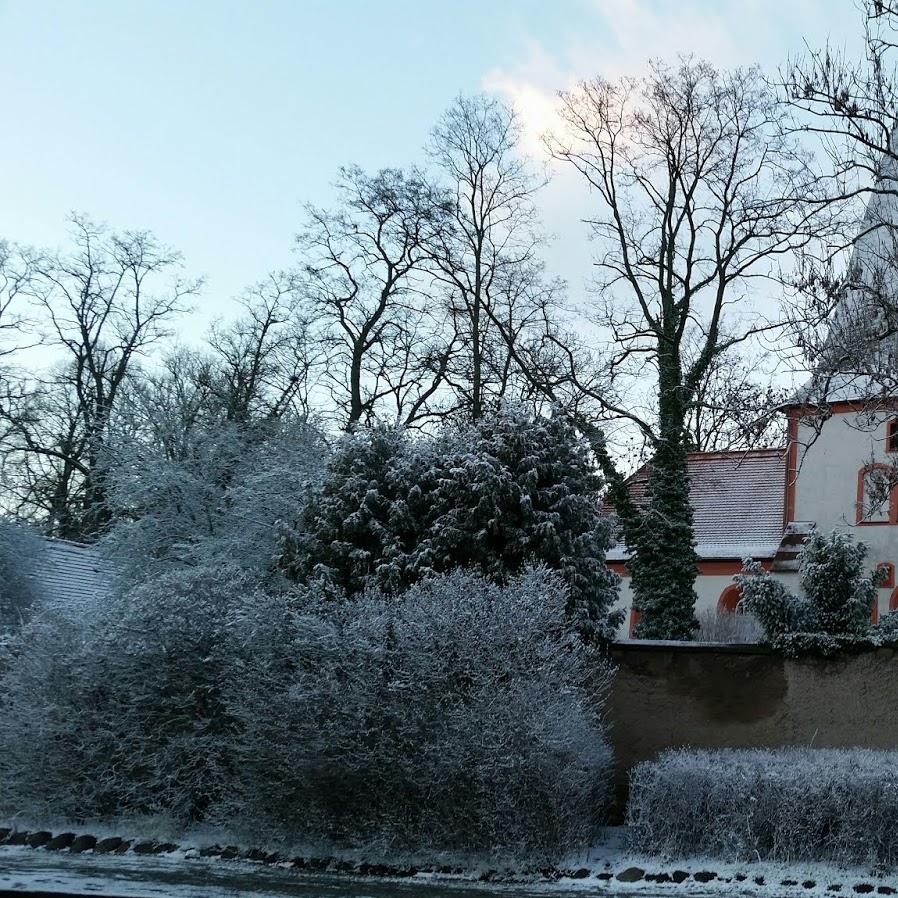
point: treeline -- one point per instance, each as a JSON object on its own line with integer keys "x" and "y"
{"x": 420, "y": 296}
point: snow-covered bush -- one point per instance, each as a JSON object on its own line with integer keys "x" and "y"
{"x": 20, "y": 551}
{"x": 127, "y": 717}
{"x": 225, "y": 492}
{"x": 835, "y": 610}
{"x": 492, "y": 497}
{"x": 834, "y": 805}
{"x": 741, "y": 628}
{"x": 457, "y": 715}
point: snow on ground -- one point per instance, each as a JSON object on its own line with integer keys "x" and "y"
{"x": 183, "y": 874}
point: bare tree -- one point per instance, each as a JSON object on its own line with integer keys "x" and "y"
{"x": 14, "y": 275}
{"x": 700, "y": 196}
{"x": 363, "y": 271}
{"x": 486, "y": 256}
{"x": 846, "y": 317}
{"x": 265, "y": 363}
{"x": 106, "y": 303}
{"x": 735, "y": 409}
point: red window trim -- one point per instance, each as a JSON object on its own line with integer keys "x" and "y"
{"x": 859, "y": 506}
{"x": 874, "y": 610}
{"x": 893, "y": 600}
{"x": 634, "y": 620}
{"x": 891, "y": 427}
{"x": 889, "y": 581}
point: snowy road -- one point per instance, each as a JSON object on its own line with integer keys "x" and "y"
{"x": 37, "y": 871}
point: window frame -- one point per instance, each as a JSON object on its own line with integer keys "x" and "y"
{"x": 861, "y": 494}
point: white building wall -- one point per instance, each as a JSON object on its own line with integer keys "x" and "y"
{"x": 825, "y": 473}
{"x": 824, "y": 469}
{"x": 708, "y": 587}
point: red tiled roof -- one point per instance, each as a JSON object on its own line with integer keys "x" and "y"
{"x": 738, "y": 500}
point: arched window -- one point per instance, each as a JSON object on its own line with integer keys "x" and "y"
{"x": 729, "y": 600}
{"x": 886, "y": 572}
{"x": 876, "y": 495}
{"x": 892, "y": 435}
{"x": 634, "y": 620}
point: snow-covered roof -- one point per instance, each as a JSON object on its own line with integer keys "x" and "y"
{"x": 840, "y": 386}
{"x": 738, "y": 501}
{"x": 72, "y": 576}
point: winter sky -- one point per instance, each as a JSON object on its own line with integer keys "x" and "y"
{"x": 210, "y": 123}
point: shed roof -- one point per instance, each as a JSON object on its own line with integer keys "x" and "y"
{"x": 72, "y": 576}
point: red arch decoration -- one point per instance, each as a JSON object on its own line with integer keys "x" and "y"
{"x": 729, "y": 600}
{"x": 634, "y": 620}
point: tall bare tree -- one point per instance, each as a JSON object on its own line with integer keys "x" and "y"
{"x": 486, "y": 257}
{"x": 700, "y": 196}
{"x": 363, "y": 268}
{"x": 105, "y": 304}
{"x": 847, "y": 312}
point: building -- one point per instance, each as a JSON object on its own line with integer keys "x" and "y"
{"x": 834, "y": 473}
{"x": 839, "y": 467}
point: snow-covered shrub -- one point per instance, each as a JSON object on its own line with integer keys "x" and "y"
{"x": 492, "y": 497}
{"x": 741, "y": 628}
{"x": 834, "y": 612}
{"x": 226, "y": 492}
{"x": 20, "y": 551}
{"x": 457, "y": 715}
{"x": 834, "y": 805}
{"x": 127, "y": 717}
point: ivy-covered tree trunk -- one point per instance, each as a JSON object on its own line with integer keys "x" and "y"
{"x": 662, "y": 563}
{"x": 659, "y": 529}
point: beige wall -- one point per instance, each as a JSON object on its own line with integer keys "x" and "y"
{"x": 746, "y": 697}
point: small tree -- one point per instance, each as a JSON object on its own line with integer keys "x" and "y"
{"x": 837, "y": 595}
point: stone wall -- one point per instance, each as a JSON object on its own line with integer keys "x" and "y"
{"x": 668, "y": 695}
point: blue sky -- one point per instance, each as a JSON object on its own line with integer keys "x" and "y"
{"x": 211, "y": 123}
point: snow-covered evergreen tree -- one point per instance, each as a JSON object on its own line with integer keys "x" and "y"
{"x": 493, "y": 496}
{"x": 835, "y": 607}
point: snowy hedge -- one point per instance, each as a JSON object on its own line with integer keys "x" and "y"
{"x": 781, "y": 805}
{"x": 458, "y": 715}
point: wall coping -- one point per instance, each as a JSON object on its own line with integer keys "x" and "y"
{"x": 684, "y": 646}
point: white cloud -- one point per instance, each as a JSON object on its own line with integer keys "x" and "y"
{"x": 619, "y": 37}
